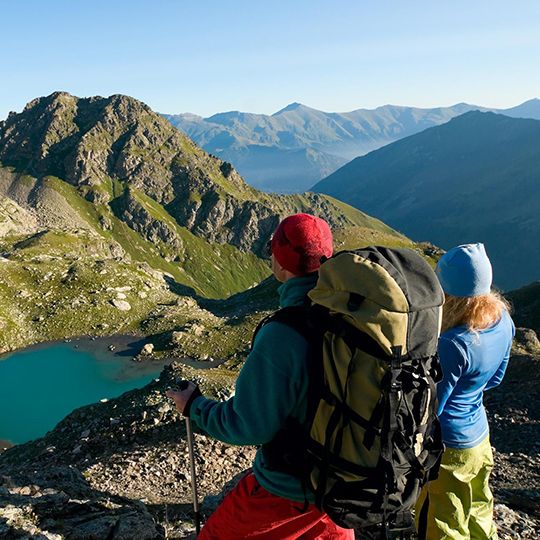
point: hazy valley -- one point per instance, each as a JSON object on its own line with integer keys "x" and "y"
{"x": 292, "y": 149}
{"x": 473, "y": 179}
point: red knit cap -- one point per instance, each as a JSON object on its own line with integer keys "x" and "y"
{"x": 300, "y": 242}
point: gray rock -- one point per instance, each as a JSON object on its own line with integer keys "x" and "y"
{"x": 122, "y": 305}
{"x": 72, "y": 509}
{"x": 148, "y": 349}
{"x": 527, "y": 340}
{"x": 140, "y": 220}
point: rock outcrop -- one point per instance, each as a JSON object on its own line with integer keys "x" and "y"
{"x": 140, "y": 220}
{"x": 526, "y": 341}
{"x": 58, "y": 502}
{"x": 15, "y": 220}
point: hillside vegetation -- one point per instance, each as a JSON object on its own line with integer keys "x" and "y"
{"x": 108, "y": 215}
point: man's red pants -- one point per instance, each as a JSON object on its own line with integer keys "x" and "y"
{"x": 249, "y": 511}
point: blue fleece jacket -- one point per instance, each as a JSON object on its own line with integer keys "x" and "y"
{"x": 271, "y": 387}
{"x": 471, "y": 362}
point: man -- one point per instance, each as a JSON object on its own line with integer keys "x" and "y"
{"x": 271, "y": 389}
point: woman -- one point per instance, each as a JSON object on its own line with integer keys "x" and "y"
{"x": 474, "y": 348}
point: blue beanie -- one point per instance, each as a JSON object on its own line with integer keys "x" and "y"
{"x": 465, "y": 271}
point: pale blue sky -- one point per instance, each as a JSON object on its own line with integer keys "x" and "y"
{"x": 251, "y": 55}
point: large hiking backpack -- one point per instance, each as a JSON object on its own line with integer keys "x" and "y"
{"x": 374, "y": 437}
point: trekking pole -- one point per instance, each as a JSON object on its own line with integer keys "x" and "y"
{"x": 193, "y": 477}
{"x": 189, "y": 434}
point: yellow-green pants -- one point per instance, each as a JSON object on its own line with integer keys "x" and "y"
{"x": 459, "y": 504}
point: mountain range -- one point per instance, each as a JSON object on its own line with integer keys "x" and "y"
{"x": 107, "y": 211}
{"x": 473, "y": 179}
{"x": 295, "y": 147}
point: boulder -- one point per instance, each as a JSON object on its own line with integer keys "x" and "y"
{"x": 526, "y": 341}
{"x": 148, "y": 349}
{"x": 177, "y": 338}
{"x": 122, "y": 305}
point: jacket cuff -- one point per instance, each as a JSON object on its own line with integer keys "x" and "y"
{"x": 196, "y": 393}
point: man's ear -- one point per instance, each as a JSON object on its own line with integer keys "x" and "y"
{"x": 279, "y": 272}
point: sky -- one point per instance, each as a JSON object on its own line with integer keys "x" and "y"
{"x": 209, "y": 56}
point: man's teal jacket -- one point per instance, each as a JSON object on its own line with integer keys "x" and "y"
{"x": 271, "y": 387}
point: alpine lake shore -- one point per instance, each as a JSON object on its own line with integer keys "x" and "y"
{"x": 66, "y": 375}
{"x": 182, "y": 330}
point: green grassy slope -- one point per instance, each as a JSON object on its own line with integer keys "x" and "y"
{"x": 59, "y": 285}
{"x": 61, "y": 282}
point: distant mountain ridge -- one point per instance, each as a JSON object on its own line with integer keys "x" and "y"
{"x": 476, "y": 178}
{"x": 293, "y": 148}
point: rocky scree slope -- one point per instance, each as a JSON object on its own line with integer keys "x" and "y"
{"x": 107, "y": 212}
{"x": 123, "y": 465}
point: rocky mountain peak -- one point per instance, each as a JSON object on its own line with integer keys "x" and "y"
{"x": 58, "y": 97}
{"x": 91, "y": 141}
{"x": 116, "y": 151}
{"x": 295, "y": 106}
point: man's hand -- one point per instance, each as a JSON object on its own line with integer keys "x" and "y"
{"x": 183, "y": 398}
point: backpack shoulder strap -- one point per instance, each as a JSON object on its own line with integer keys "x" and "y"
{"x": 287, "y": 452}
{"x": 299, "y": 318}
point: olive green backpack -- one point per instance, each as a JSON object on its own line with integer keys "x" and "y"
{"x": 374, "y": 437}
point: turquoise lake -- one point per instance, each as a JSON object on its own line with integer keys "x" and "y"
{"x": 41, "y": 385}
